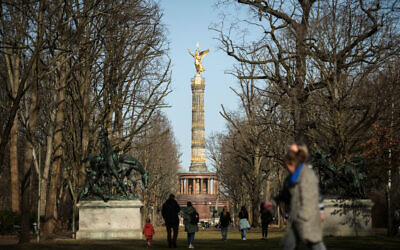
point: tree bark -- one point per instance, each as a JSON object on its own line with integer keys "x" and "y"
{"x": 14, "y": 172}
{"x": 51, "y": 204}
{"x": 27, "y": 166}
{"x": 46, "y": 169}
{"x": 267, "y": 192}
{"x": 85, "y": 127}
{"x": 13, "y": 63}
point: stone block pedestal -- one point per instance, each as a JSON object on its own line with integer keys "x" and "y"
{"x": 101, "y": 220}
{"x": 347, "y": 217}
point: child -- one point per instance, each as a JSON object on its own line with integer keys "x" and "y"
{"x": 148, "y": 231}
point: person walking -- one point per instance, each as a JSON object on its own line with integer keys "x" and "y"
{"x": 243, "y": 222}
{"x": 266, "y": 218}
{"x": 190, "y": 220}
{"x": 224, "y": 221}
{"x": 170, "y": 211}
{"x": 301, "y": 193}
{"x": 148, "y": 231}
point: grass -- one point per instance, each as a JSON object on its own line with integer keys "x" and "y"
{"x": 211, "y": 240}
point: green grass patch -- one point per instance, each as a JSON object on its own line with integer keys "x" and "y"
{"x": 212, "y": 240}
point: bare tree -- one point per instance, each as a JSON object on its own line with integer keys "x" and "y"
{"x": 158, "y": 152}
{"x": 295, "y": 56}
{"x": 107, "y": 60}
{"x": 24, "y": 41}
{"x": 118, "y": 79}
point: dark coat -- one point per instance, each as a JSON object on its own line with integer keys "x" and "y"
{"x": 266, "y": 218}
{"x": 224, "y": 221}
{"x": 187, "y": 213}
{"x": 170, "y": 211}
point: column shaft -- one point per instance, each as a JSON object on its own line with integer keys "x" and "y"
{"x": 198, "y": 135}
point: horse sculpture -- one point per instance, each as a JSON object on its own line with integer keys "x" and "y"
{"x": 109, "y": 166}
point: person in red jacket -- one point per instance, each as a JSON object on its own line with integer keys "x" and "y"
{"x": 148, "y": 231}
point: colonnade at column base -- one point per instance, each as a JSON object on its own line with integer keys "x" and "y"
{"x": 202, "y": 189}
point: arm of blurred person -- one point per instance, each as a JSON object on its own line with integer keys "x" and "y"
{"x": 283, "y": 196}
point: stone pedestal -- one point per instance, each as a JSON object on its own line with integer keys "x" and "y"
{"x": 110, "y": 220}
{"x": 347, "y": 217}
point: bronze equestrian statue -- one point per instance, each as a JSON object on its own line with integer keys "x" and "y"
{"x": 108, "y": 171}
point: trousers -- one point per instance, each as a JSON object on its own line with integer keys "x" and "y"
{"x": 174, "y": 228}
{"x": 224, "y": 232}
{"x": 190, "y": 238}
{"x": 291, "y": 241}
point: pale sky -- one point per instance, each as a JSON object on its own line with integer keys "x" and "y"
{"x": 187, "y": 22}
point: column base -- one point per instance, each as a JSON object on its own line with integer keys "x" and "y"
{"x": 198, "y": 167}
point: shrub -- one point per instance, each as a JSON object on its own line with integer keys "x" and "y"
{"x": 7, "y": 221}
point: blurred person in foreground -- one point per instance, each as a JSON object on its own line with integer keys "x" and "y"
{"x": 301, "y": 194}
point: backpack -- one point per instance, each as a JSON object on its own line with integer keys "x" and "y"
{"x": 194, "y": 218}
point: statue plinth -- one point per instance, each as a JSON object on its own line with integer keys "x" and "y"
{"x": 348, "y": 217}
{"x": 99, "y": 220}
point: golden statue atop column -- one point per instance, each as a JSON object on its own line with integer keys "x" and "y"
{"x": 198, "y": 56}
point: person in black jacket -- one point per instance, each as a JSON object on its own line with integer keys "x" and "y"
{"x": 266, "y": 218}
{"x": 224, "y": 221}
{"x": 170, "y": 210}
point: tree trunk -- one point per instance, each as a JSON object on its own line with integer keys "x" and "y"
{"x": 255, "y": 212}
{"x": 51, "y": 204}
{"x": 85, "y": 128}
{"x": 26, "y": 194}
{"x": 25, "y": 203}
{"x": 27, "y": 166}
{"x": 300, "y": 98}
{"x": 14, "y": 173}
{"x": 267, "y": 193}
{"x": 45, "y": 174}
{"x": 12, "y": 64}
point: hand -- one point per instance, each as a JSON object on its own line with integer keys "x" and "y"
{"x": 322, "y": 216}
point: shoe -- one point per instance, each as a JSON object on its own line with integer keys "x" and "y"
{"x": 244, "y": 238}
{"x": 191, "y": 246}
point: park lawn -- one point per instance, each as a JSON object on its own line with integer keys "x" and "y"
{"x": 211, "y": 240}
